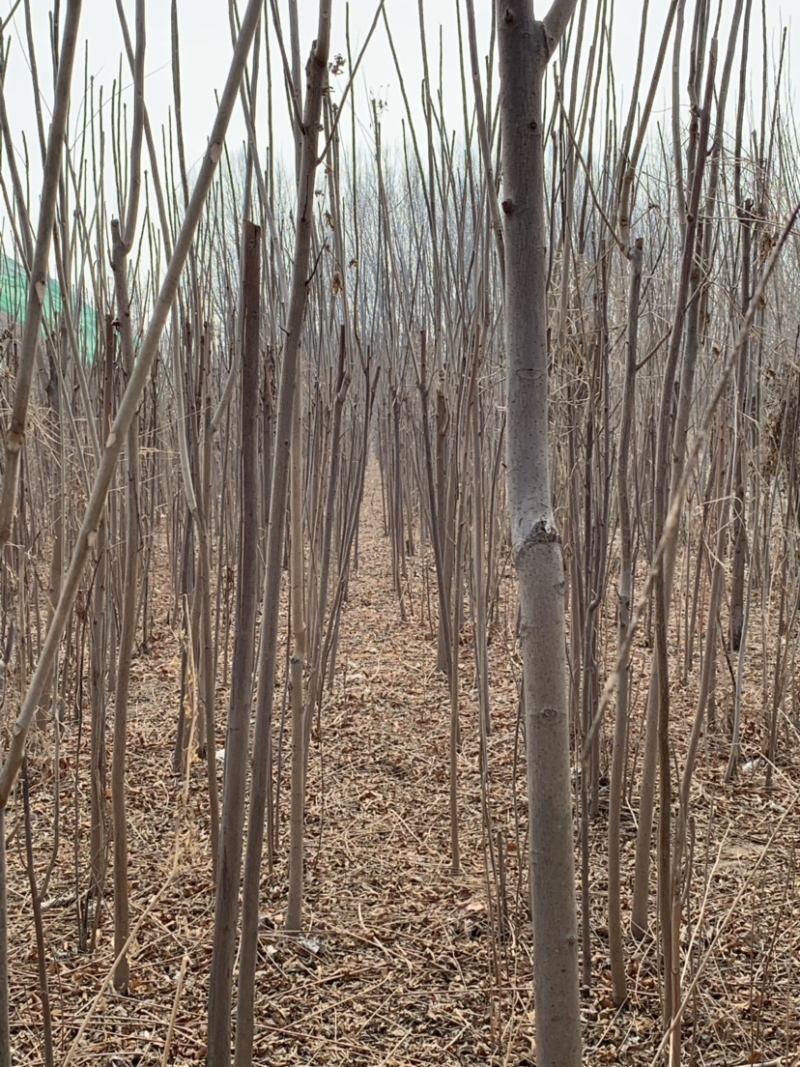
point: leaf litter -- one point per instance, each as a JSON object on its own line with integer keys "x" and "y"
{"x": 400, "y": 963}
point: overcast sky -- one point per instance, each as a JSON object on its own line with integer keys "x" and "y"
{"x": 206, "y": 50}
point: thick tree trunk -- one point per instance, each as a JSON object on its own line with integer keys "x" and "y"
{"x": 524, "y": 47}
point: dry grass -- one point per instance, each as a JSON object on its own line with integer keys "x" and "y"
{"x": 400, "y": 963}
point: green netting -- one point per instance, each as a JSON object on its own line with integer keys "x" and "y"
{"x": 14, "y": 299}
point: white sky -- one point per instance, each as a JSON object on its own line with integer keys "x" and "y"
{"x": 206, "y": 51}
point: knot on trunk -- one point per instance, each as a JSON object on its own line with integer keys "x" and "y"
{"x": 542, "y": 534}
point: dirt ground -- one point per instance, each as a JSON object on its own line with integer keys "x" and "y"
{"x": 400, "y": 962}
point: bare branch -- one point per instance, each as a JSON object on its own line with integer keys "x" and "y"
{"x": 556, "y": 21}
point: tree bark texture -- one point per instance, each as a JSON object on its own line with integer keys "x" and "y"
{"x": 524, "y": 48}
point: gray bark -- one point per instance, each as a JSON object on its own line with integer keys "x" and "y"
{"x": 524, "y": 48}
